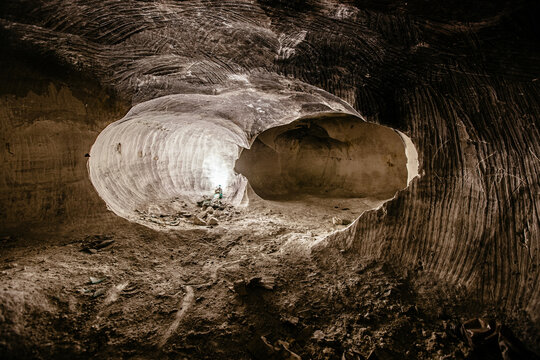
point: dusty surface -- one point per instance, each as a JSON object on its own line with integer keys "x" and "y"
{"x": 173, "y": 294}
{"x": 248, "y": 288}
{"x": 304, "y": 214}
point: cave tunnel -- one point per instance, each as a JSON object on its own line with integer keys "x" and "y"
{"x": 158, "y": 162}
{"x": 334, "y": 155}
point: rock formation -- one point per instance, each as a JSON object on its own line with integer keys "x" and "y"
{"x": 458, "y": 79}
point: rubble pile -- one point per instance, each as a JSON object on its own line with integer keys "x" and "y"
{"x": 207, "y": 212}
{"x": 164, "y": 219}
{"x": 212, "y": 211}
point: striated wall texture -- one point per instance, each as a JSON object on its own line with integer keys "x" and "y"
{"x": 48, "y": 123}
{"x": 460, "y": 79}
{"x": 182, "y": 146}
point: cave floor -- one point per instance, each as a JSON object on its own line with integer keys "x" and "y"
{"x": 303, "y": 215}
{"x": 251, "y": 291}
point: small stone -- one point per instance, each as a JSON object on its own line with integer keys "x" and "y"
{"x": 104, "y": 244}
{"x": 265, "y": 282}
{"x": 94, "y": 280}
{"x": 198, "y": 221}
{"x": 212, "y": 221}
{"x": 99, "y": 292}
{"x": 318, "y": 335}
{"x": 268, "y": 282}
{"x": 339, "y": 221}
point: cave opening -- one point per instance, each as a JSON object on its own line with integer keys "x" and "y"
{"x": 154, "y": 170}
{"x": 328, "y": 156}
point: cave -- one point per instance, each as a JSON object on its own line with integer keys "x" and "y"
{"x": 327, "y": 156}
{"x": 314, "y": 179}
{"x": 325, "y": 162}
{"x": 154, "y": 162}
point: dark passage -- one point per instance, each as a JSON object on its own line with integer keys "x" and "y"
{"x": 334, "y": 155}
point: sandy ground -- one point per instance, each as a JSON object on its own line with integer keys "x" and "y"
{"x": 249, "y": 287}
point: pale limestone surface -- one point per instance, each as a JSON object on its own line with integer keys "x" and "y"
{"x": 183, "y": 146}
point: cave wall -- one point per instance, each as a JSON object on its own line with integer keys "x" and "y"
{"x": 48, "y": 120}
{"x": 460, "y": 79}
{"x": 177, "y": 148}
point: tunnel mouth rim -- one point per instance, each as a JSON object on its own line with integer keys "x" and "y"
{"x": 132, "y": 215}
{"x": 406, "y": 142}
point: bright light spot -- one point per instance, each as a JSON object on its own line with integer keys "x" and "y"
{"x": 217, "y": 169}
{"x": 219, "y": 176}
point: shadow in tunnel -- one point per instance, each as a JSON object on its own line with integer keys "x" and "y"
{"x": 329, "y": 156}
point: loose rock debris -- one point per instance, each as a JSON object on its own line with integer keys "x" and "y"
{"x": 203, "y": 296}
{"x": 94, "y": 280}
{"x": 339, "y": 221}
{"x": 493, "y": 340}
{"x": 208, "y": 212}
{"x": 99, "y": 292}
{"x": 92, "y": 244}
